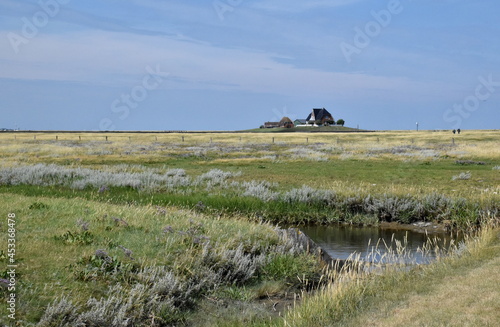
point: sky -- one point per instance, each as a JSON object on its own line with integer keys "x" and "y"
{"x": 156, "y": 65}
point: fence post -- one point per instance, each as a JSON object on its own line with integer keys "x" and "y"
{"x": 106, "y": 137}
{"x": 183, "y": 139}
{"x": 57, "y": 137}
{"x": 79, "y": 137}
{"x": 453, "y": 140}
{"x": 307, "y": 140}
{"x": 273, "y": 139}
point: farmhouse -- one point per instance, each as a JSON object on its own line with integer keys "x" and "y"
{"x": 285, "y": 122}
{"x": 320, "y": 117}
{"x": 317, "y": 117}
{"x": 271, "y": 124}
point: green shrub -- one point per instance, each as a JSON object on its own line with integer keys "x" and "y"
{"x": 38, "y": 206}
{"x": 79, "y": 238}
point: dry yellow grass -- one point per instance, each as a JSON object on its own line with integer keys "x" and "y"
{"x": 472, "y": 143}
{"x": 466, "y": 300}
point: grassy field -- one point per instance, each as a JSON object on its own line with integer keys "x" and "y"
{"x": 159, "y": 229}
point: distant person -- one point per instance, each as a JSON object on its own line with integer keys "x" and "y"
{"x": 454, "y": 131}
{"x": 458, "y": 131}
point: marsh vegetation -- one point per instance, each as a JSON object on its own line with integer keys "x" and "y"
{"x": 187, "y": 229}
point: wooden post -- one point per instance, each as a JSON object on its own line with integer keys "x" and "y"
{"x": 240, "y": 138}
{"x": 57, "y": 137}
{"x": 79, "y": 137}
{"x": 210, "y": 140}
{"x": 34, "y": 137}
{"x": 156, "y": 138}
{"x": 378, "y": 140}
{"x": 453, "y": 140}
{"x": 307, "y": 140}
{"x": 338, "y": 140}
{"x": 183, "y": 139}
{"x": 106, "y": 137}
{"x": 273, "y": 139}
{"x": 129, "y": 138}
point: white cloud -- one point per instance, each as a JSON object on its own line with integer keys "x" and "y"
{"x": 120, "y": 59}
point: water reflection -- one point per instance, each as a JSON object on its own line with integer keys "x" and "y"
{"x": 341, "y": 241}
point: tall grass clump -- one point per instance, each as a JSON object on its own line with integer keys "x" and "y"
{"x": 82, "y": 178}
{"x": 308, "y": 154}
{"x": 309, "y": 195}
{"x": 462, "y": 176}
{"x": 262, "y": 190}
{"x": 216, "y": 177}
{"x": 155, "y": 299}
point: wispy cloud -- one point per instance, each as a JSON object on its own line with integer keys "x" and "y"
{"x": 299, "y": 6}
{"x": 119, "y": 58}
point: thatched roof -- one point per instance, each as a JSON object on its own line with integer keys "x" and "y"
{"x": 285, "y": 120}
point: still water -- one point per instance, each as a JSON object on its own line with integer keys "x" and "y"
{"x": 342, "y": 241}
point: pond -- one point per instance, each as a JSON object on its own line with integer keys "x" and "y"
{"x": 375, "y": 244}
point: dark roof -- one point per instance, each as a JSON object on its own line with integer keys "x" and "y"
{"x": 319, "y": 114}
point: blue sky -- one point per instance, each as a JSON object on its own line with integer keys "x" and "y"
{"x": 234, "y": 64}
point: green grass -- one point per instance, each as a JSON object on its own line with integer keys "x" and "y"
{"x": 59, "y": 229}
{"x": 320, "y": 129}
{"x": 55, "y": 254}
